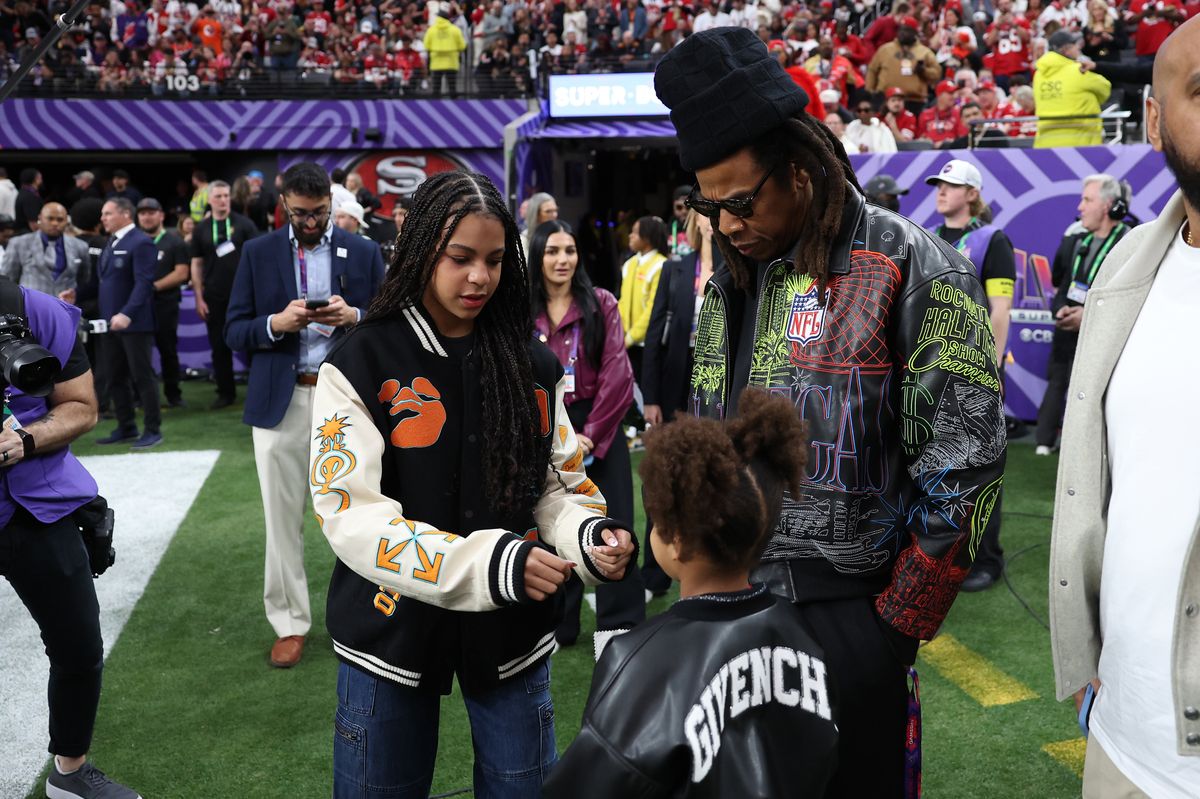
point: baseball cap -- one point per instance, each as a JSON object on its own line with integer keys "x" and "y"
{"x": 910, "y": 22}
{"x": 120, "y": 173}
{"x": 946, "y": 86}
{"x": 958, "y": 173}
{"x": 255, "y": 173}
{"x": 84, "y": 174}
{"x": 33, "y": 33}
{"x": 883, "y": 184}
{"x": 985, "y": 86}
{"x": 895, "y": 91}
{"x": 149, "y": 204}
{"x": 1061, "y": 38}
{"x": 354, "y": 209}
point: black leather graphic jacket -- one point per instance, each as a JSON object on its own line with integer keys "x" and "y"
{"x": 896, "y": 377}
{"x": 724, "y": 695}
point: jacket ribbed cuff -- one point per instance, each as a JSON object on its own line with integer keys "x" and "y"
{"x": 589, "y": 536}
{"x": 506, "y": 574}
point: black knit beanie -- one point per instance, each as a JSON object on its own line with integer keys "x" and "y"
{"x": 724, "y": 91}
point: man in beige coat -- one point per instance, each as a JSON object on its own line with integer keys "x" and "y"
{"x": 1125, "y": 557}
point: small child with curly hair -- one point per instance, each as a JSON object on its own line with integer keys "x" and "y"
{"x": 726, "y": 693}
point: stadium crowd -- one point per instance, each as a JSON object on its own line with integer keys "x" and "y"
{"x": 897, "y": 58}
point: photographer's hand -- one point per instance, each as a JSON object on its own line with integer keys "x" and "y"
{"x": 72, "y": 412}
{"x": 12, "y": 448}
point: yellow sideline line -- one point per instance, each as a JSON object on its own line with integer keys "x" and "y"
{"x": 1069, "y": 754}
{"x": 973, "y": 673}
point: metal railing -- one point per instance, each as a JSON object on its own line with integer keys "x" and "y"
{"x": 1112, "y": 126}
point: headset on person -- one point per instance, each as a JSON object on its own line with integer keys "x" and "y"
{"x": 1119, "y": 210}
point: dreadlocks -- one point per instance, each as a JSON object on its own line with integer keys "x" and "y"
{"x": 514, "y": 460}
{"x": 807, "y": 143}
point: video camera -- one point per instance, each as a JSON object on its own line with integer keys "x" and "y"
{"x": 25, "y": 364}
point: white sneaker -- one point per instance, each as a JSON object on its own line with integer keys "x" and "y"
{"x": 1042, "y": 449}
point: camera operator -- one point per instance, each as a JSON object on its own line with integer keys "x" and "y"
{"x": 42, "y": 553}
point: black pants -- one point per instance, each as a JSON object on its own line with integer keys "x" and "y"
{"x": 222, "y": 356}
{"x": 622, "y": 604}
{"x": 47, "y": 565}
{"x": 126, "y": 357}
{"x": 451, "y": 76}
{"x": 653, "y": 575}
{"x": 166, "y": 339}
{"x": 870, "y": 687}
{"x": 1054, "y": 401}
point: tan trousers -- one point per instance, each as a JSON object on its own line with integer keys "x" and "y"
{"x": 281, "y": 455}
{"x": 1102, "y": 779}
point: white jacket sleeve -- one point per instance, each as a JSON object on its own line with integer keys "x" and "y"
{"x": 571, "y": 513}
{"x": 369, "y": 531}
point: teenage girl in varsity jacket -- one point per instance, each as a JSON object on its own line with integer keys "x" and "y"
{"x": 447, "y": 478}
{"x": 726, "y": 693}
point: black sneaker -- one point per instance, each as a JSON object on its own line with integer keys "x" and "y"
{"x": 88, "y": 782}
{"x": 119, "y": 436}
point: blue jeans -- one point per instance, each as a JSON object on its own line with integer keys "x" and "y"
{"x": 385, "y": 737}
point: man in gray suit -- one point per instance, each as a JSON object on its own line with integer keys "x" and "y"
{"x": 48, "y": 260}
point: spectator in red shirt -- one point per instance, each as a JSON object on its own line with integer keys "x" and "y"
{"x": 321, "y": 19}
{"x": 800, "y": 76}
{"x": 884, "y": 29}
{"x": 989, "y": 101}
{"x": 1155, "y": 19}
{"x": 852, "y": 47}
{"x": 942, "y": 123}
{"x": 407, "y": 62}
{"x": 1008, "y": 36}
{"x": 900, "y": 121}
{"x": 208, "y": 28}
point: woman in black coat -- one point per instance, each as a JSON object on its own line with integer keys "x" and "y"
{"x": 670, "y": 339}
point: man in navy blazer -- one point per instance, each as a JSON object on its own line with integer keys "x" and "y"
{"x": 126, "y": 291}
{"x": 296, "y": 292}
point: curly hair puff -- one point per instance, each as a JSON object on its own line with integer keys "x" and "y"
{"x": 717, "y": 488}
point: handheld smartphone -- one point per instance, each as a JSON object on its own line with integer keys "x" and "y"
{"x": 1085, "y": 709}
{"x": 313, "y": 305}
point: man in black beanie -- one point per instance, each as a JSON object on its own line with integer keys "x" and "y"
{"x": 880, "y": 335}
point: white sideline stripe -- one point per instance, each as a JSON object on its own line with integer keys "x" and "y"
{"x": 151, "y": 494}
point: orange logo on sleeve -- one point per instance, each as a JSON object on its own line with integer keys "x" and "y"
{"x": 419, "y": 406}
{"x": 543, "y": 403}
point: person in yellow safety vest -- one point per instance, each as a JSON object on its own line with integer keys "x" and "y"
{"x": 199, "y": 202}
{"x": 639, "y": 283}
{"x": 1065, "y": 86}
{"x": 444, "y": 42}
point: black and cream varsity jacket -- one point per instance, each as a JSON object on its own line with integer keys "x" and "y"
{"x": 429, "y": 579}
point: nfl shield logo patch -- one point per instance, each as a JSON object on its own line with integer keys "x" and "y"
{"x": 806, "y": 320}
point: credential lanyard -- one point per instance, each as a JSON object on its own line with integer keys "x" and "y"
{"x": 303, "y": 271}
{"x": 228, "y": 231}
{"x": 1099, "y": 260}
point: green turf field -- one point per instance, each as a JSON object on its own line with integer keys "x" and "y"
{"x": 191, "y": 708}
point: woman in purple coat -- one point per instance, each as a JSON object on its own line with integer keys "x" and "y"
{"x": 582, "y": 326}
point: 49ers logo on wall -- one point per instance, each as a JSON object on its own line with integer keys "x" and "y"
{"x": 398, "y": 173}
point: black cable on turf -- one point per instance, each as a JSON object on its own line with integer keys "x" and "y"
{"x": 1013, "y": 591}
{"x": 459, "y": 792}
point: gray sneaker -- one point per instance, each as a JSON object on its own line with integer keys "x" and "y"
{"x": 88, "y": 782}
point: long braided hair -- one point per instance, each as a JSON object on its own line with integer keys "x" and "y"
{"x": 514, "y": 460}
{"x": 807, "y": 143}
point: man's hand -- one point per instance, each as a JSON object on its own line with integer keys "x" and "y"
{"x": 67, "y": 296}
{"x": 585, "y": 444}
{"x": 12, "y": 448}
{"x": 653, "y": 414}
{"x": 294, "y": 316}
{"x": 1069, "y": 318}
{"x": 611, "y": 560}
{"x": 119, "y": 322}
{"x": 1079, "y": 694}
{"x": 201, "y": 308}
{"x": 544, "y": 573}
{"x": 336, "y": 313}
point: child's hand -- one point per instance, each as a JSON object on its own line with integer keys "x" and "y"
{"x": 611, "y": 560}
{"x": 544, "y": 573}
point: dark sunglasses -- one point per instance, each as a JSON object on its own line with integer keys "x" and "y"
{"x": 741, "y": 207}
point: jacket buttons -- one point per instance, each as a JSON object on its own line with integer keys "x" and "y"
{"x": 1063, "y": 583}
{"x": 1070, "y": 492}
{"x": 1191, "y": 609}
{"x": 1193, "y": 739}
{"x": 1191, "y": 713}
{"x": 1099, "y": 302}
{"x": 469, "y": 514}
{"x": 471, "y": 439}
{"x": 1081, "y": 395}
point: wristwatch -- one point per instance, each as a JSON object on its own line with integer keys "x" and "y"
{"x": 27, "y": 440}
